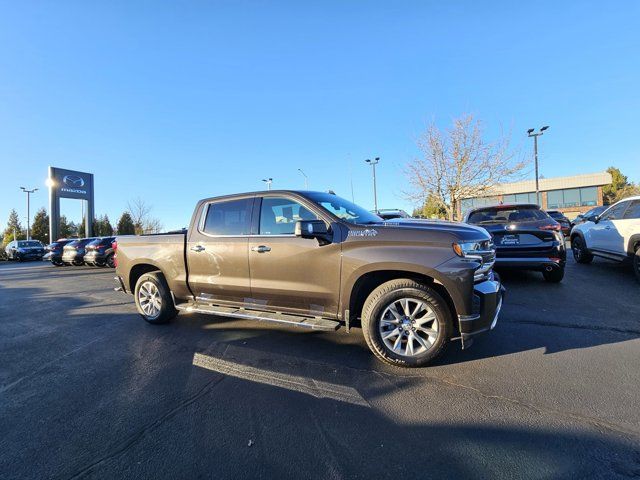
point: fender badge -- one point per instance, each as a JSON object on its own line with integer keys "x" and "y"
{"x": 369, "y": 232}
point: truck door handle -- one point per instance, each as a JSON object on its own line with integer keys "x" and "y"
{"x": 608, "y": 227}
{"x": 261, "y": 249}
{"x": 197, "y": 248}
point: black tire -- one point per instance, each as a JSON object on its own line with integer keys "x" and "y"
{"x": 18, "y": 258}
{"x": 384, "y": 296}
{"x": 636, "y": 263}
{"x": 554, "y": 276}
{"x": 167, "y": 311}
{"x": 58, "y": 264}
{"x": 580, "y": 252}
{"x": 110, "y": 262}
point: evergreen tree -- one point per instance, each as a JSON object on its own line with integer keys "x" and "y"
{"x": 40, "y": 227}
{"x": 66, "y": 228}
{"x": 125, "y": 225}
{"x": 13, "y": 225}
{"x": 107, "y": 228}
{"x": 619, "y": 188}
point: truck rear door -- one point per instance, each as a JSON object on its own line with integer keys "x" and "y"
{"x": 217, "y": 251}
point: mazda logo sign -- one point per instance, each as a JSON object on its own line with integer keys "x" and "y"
{"x": 73, "y": 181}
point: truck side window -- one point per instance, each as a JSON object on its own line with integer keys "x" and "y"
{"x": 229, "y": 218}
{"x": 278, "y": 216}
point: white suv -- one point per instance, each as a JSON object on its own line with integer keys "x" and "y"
{"x": 615, "y": 234}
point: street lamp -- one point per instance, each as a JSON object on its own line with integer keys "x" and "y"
{"x": 373, "y": 163}
{"x": 268, "y": 181}
{"x": 28, "y": 192}
{"x": 535, "y": 154}
{"x": 306, "y": 179}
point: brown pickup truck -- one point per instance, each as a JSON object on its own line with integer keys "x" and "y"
{"x": 315, "y": 260}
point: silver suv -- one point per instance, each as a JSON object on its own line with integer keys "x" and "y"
{"x": 615, "y": 234}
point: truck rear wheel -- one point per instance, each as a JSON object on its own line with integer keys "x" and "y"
{"x": 406, "y": 323}
{"x": 153, "y": 298}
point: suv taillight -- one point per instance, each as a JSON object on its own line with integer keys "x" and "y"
{"x": 555, "y": 227}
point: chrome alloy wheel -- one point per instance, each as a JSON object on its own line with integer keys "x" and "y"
{"x": 149, "y": 299}
{"x": 408, "y": 327}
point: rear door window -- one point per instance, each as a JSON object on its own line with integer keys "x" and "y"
{"x": 232, "y": 217}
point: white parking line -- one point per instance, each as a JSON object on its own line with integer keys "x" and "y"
{"x": 304, "y": 385}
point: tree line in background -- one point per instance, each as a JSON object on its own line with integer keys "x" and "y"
{"x": 135, "y": 221}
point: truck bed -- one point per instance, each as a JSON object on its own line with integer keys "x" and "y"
{"x": 164, "y": 250}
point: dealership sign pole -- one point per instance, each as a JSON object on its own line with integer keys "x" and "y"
{"x": 69, "y": 184}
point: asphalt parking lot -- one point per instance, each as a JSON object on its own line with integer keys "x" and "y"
{"x": 89, "y": 390}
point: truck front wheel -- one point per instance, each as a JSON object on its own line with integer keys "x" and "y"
{"x": 153, "y": 298}
{"x": 406, "y": 323}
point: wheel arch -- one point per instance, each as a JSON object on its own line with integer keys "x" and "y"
{"x": 634, "y": 244}
{"x": 140, "y": 269}
{"x": 362, "y": 287}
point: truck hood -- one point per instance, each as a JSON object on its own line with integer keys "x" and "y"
{"x": 463, "y": 230}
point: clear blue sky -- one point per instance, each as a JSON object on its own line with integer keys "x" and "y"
{"x": 175, "y": 101}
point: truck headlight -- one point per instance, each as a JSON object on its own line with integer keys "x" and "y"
{"x": 468, "y": 249}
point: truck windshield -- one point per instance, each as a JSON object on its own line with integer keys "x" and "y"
{"x": 344, "y": 209}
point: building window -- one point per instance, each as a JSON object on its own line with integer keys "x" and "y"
{"x": 529, "y": 197}
{"x": 572, "y": 197}
{"x": 589, "y": 196}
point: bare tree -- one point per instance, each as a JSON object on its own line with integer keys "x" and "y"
{"x": 459, "y": 163}
{"x": 141, "y": 215}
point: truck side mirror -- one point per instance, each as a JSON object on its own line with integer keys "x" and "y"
{"x": 311, "y": 229}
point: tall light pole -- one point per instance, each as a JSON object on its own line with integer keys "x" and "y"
{"x": 28, "y": 192}
{"x": 268, "y": 181}
{"x": 535, "y": 154}
{"x": 373, "y": 163}
{"x": 306, "y": 179}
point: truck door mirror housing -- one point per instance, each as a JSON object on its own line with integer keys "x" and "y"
{"x": 311, "y": 229}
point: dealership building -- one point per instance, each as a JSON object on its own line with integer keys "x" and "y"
{"x": 570, "y": 195}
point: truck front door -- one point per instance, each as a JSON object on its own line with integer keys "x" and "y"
{"x": 288, "y": 273}
{"x": 217, "y": 251}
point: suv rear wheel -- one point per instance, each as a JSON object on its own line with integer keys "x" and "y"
{"x": 406, "y": 323}
{"x": 636, "y": 263}
{"x": 153, "y": 298}
{"x": 580, "y": 252}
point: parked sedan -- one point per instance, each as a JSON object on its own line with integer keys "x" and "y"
{"x": 24, "y": 250}
{"x": 73, "y": 252}
{"x": 564, "y": 222}
{"x": 54, "y": 251}
{"x": 525, "y": 237}
{"x": 100, "y": 252}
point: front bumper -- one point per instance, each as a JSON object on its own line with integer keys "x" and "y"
{"x": 30, "y": 255}
{"x": 487, "y": 303}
